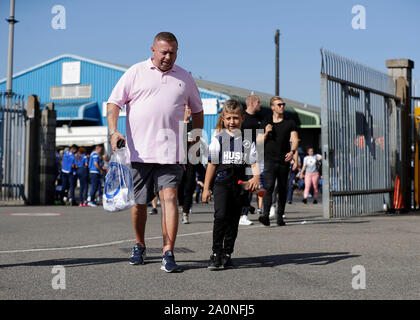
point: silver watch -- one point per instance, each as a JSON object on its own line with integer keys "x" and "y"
{"x": 111, "y": 133}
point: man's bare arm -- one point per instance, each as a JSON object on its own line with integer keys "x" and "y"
{"x": 198, "y": 122}
{"x": 294, "y": 139}
{"x": 113, "y": 112}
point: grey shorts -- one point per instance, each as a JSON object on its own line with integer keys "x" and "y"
{"x": 149, "y": 178}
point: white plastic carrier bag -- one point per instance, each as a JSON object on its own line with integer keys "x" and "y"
{"x": 118, "y": 189}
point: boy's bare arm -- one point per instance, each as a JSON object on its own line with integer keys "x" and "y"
{"x": 211, "y": 169}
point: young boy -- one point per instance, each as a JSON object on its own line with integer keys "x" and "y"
{"x": 229, "y": 155}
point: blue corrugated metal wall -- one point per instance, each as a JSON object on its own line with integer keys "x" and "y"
{"x": 102, "y": 78}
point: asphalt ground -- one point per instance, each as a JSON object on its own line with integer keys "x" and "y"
{"x": 72, "y": 253}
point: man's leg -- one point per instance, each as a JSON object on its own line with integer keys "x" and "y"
{"x": 269, "y": 183}
{"x": 282, "y": 179}
{"x": 139, "y": 217}
{"x": 170, "y": 217}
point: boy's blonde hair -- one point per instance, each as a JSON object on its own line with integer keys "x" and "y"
{"x": 230, "y": 106}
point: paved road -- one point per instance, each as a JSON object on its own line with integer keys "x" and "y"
{"x": 309, "y": 258}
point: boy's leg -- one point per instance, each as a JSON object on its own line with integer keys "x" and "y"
{"x": 221, "y": 200}
{"x": 234, "y": 212}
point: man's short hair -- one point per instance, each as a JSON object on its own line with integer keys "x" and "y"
{"x": 250, "y": 99}
{"x": 165, "y": 36}
{"x": 275, "y": 98}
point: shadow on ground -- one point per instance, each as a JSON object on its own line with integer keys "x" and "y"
{"x": 317, "y": 258}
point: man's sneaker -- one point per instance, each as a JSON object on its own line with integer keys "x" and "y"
{"x": 244, "y": 221}
{"x": 272, "y": 212}
{"x": 264, "y": 220}
{"x": 185, "y": 220}
{"x": 227, "y": 261}
{"x": 92, "y": 204}
{"x": 216, "y": 262}
{"x": 315, "y": 202}
{"x": 168, "y": 262}
{"x": 153, "y": 211}
{"x": 304, "y": 200}
{"x": 281, "y": 223}
{"x": 137, "y": 255}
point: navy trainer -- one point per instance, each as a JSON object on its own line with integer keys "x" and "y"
{"x": 137, "y": 255}
{"x": 168, "y": 262}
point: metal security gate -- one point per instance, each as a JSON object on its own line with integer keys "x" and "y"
{"x": 360, "y": 137}
{"x": 12, "y": 147}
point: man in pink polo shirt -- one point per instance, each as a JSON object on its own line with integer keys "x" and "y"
{"x": 155, "y": 93}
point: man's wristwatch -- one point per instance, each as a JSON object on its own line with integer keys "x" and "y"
{"x": 293, "y": 151}
{"x": 111, "y": 133}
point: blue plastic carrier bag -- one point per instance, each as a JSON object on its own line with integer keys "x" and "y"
{"x": 118, "y": 189}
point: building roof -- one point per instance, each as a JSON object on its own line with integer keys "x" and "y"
{"x": 305, "y": 116}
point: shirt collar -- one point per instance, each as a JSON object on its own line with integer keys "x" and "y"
{"x": 153, "y": 67}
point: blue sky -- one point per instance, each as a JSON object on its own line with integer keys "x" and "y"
{"x": 230, "y": 41}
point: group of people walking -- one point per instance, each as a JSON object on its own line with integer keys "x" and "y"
{"x": 77, "y": 166}
{"x": 160, "y": 95}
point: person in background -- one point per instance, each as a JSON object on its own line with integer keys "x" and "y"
{"x": 295, "y": 166}
{"x": 95, "y": 173}
{"x": 280, "y": 145}
{"x": 249, "y": 127}
{"x": 82, "y": 170}
{"x": 189, "y": 178}
{"x": 68, "y": 174}
{"x": 154, "y": 205}
{"x": 310, "y": 173}
{"x": 201, "y": 172}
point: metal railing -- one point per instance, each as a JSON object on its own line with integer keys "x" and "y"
{"x": 361, "y": 138}
{"x": 12, "y": 147}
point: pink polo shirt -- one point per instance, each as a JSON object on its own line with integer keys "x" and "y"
{"x": 155, "y": 103}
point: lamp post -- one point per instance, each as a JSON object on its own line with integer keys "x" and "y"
{"x": 277, "y": 42}
{"x": 12, "y": 21}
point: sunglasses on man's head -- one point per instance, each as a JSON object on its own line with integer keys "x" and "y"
{"x": 280, "y": 104}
